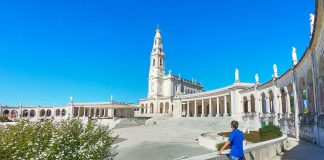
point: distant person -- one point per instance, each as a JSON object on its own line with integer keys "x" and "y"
{"x": 235, "y": 140}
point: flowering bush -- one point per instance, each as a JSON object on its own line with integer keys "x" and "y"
{"x": 69, "y": 139}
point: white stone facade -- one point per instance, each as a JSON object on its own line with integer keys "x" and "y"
{"x": 76, "y": 110}
{"x": 294, "y": 100}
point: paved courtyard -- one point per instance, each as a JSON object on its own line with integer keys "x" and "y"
{"x": 301, "y": 150}
{"x": 170, "y": 138}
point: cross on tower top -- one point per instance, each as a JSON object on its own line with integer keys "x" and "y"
{"x": 158, "y": 27}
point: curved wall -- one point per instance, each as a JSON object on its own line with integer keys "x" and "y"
{"x": 295, "y": 100}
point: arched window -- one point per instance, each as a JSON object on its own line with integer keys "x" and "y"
{"x": 161, "y": 62}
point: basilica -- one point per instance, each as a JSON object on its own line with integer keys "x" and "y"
{"x": 294, "y": 100}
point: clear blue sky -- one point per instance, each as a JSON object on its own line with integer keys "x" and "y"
{"x": 50, "y": 50}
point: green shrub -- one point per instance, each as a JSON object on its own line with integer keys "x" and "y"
{"x": 69, "y": 139}
{"x": 253, "y": 137}
{"x": 220, "y": 145}
{"x": 269, "y": 132}
{"x": 5, "y": 119}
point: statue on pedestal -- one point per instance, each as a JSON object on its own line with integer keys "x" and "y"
{"x": 294, "y": 56}
{"x": 256, "y": 78}
{"x": 237, "y": 78}
{"x": 312, "y": 20}
{"x": 275, "y": 71}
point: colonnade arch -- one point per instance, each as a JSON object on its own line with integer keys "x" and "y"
{"x": 25, "y": 113}
{"x": 32, "y": 113}
{"x": 310, "y": 91}
{"x": 303, "y": 101}
{"x": 252, "y": 101}
{"x": 48, "y": 113}
{"x": 263, "y": 103}
{"x": 58, "y": 112}
{"x": 161, "y": 108}
{"x": 283, "y": 97}
{"x": 321, "y": 83}
{"x": 245, "y": 104}
{"x": 167, "y": 107}
{"x": 271, "y": 101}
{"x": 42, "y": 112}
{"x": 291, "y": 98}
{"x": 151, "y": 108}
{"x": 142, "y": 108}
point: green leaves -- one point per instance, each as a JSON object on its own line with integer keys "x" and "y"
{"x": 5, "y": 119}
{"x": 270, "y": 132}
{"x": 69, "y": 139}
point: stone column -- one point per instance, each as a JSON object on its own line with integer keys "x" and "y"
{"x": 280, "y": 106}
{"x": 90, "y": 111}
{"x": 188, "y": 109}
{"x": 79, "y": 111}
{"x": 288, "y": 105}
{"x": 225, "y": 105}
{"x": 296, "y": 109}
{"x": 210, "y": 114}
{"x": 202, "y": 108}
{"x": 217, "y": 103}
{"x": 267, "y": 104}
{"x": 320, "y": 87}
{"x": 249, "y": 104}
{"x": 84, "y": 112}
{"x": 95, "y": 112}
{"x": 195, "y": 108}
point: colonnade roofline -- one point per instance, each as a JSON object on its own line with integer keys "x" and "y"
{"x": 15, "y": 107}
{"x": 219, "y": 91}
{"x": 110, "y": 105}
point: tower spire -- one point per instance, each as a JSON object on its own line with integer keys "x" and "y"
{"x": 157, "y": 67}
{"x": 158, "y": 27}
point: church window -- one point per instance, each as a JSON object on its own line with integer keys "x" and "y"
{"x": 161, "y": 62}
{"x": 153, "y": 62}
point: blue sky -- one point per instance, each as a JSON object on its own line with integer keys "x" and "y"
{"x": 50, "y": 50}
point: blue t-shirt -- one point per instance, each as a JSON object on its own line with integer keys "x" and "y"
{"x": 236, "y": 139}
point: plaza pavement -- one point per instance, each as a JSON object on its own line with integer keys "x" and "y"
{"x": 301, "y": 150}
{"x": 170, "y": 138}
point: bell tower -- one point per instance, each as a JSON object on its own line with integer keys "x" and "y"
{"x": 157, "y": 67}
